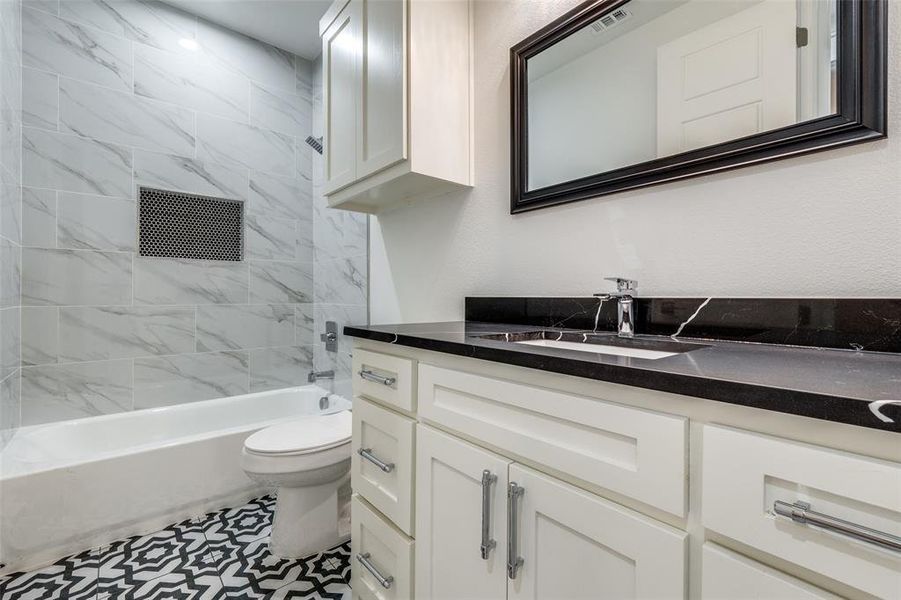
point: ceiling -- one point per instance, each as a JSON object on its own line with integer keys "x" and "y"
{"x": 292, "y": 25}
{"x": 585, "y": 40}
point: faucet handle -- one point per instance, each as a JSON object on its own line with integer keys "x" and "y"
{"x": 624, "y": 285}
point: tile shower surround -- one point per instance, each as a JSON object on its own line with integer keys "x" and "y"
{"x": 10, "y": 215}
{"x": 113, "y": 102}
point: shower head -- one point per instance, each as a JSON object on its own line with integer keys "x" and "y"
{"x": 315, "y": 143}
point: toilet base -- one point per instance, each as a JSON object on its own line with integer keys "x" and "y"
{"x": 305, "y": 521}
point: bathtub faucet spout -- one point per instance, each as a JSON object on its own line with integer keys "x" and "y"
{"x": 316, "y": 375}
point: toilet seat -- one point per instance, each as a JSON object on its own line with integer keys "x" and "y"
{"x": 303, "y": 436}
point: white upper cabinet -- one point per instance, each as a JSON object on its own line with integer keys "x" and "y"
{"x": 396, "y": 101}
{"x": 340, "y": 56}
{"x": 382, "y": 126}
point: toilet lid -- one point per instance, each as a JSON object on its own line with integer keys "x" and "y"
{"x": 302, "y": 436}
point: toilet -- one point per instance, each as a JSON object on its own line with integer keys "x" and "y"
{"x": 307, "y": 460}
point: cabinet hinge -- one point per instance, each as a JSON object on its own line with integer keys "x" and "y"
{"x": 801, "y": 36}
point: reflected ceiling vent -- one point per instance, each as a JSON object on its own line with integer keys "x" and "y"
{"x": 179, "y": 225}
{"x": 610, "y": 20}
{"x": 315, "y": 143}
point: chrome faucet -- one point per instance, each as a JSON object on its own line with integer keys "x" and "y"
{"x": 626, "y": 289}
{"x": 316, "y": 375}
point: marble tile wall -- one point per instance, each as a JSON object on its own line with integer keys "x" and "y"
{"x": 113, "y": 101}
{"x": 10, "y": 216}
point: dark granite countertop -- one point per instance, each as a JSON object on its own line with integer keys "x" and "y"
{"x": 834, "y": 385}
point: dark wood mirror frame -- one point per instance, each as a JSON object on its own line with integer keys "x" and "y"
{"x": 861, "y": 116}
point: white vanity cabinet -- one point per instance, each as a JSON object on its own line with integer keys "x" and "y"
{"x": 382, "y": 556}
{"x": 460, "y": 518}
{"x": 489, "y": 528}
{"x": 730, "y": 576}
{"x": 510, "y": 483}
{"x": 747, "y": 477}
{"x": 396, "y": 100}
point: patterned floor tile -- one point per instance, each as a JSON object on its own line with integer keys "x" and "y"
{"x": 250, "y": 571}
{"x": 235, "y": 527}
{"x": 332, "y": 566}
{"x": 198, "y": 579}
{"x": 307, "y": 591}
{"x": 333, "y": 591}
{"x": 294, "y": 591}
{"x": 222, "y": 555}
{"x": 73, "y": 578}
{"x": 128, "y": 564}
{"x": 192, "y": 583}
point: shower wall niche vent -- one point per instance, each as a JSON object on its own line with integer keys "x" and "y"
{"x": 178, "y": 225}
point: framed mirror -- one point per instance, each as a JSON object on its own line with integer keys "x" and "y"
{"x": 621, "y": 94}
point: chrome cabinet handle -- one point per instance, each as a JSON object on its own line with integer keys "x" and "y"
{"x": 800, "y": 512}
{"x": 385, "y": 582}
{"x": 488, "y": 544}
{"x": 514, "y": 561}
{"x": 368, "y": 455}
{"x": 370, "y": 376}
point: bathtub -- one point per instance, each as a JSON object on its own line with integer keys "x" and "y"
{"x": 66, "y": 487}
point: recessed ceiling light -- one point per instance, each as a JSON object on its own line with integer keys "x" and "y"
{"x": 188, "y": 43}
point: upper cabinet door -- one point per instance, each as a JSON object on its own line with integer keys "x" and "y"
{"x": 341, "y": 63}
{"x": 574, "y": 544}
{"x": 382, "y": 131}
{"x": 449, "y": 519}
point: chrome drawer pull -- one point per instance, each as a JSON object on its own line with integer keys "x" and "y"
{"x": 800, "y": 512}
{"x": 385, "y": 582}
{"x": 370, "y": 376}
{"x": 514, "y": 561}
{"x": 487, "y": 543}
{"x": 368, "y": 455}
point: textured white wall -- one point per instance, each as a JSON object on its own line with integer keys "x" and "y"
{"x": 827, "y": 224}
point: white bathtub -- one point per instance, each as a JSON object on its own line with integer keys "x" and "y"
{"x": 66, "y": 487}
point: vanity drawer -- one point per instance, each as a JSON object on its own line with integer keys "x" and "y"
{"x": 730, "y": 576}
{"x": 633, "y": 452}
{"x": 384, "y": 378}
{"x": 745, "y": 474}
{"x": 382, "y": 461}
{"x": 381, "y": 556}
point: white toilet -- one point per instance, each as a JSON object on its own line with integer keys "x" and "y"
{"x": 307, "y": 460}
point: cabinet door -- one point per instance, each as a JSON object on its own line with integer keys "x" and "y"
{"x": 729, "y": 576}
{"x": 340, "y": 67}
{"x": 382, "y": 129}
{"x": 576, "y": 545}
{"x": 449, "y": 561}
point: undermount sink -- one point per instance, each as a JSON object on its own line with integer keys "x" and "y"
{"x": 594, "y": 343}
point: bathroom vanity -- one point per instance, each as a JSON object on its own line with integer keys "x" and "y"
{"x": 485, "y": 467}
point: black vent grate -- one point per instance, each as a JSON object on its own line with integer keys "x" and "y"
{"x": 179, "y": 225}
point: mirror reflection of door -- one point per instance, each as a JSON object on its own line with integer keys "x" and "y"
{"x": 653, "y": 78}
{"x": 732, "y": 78}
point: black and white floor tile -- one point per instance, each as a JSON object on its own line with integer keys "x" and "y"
{"x": 221, "y": 556}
